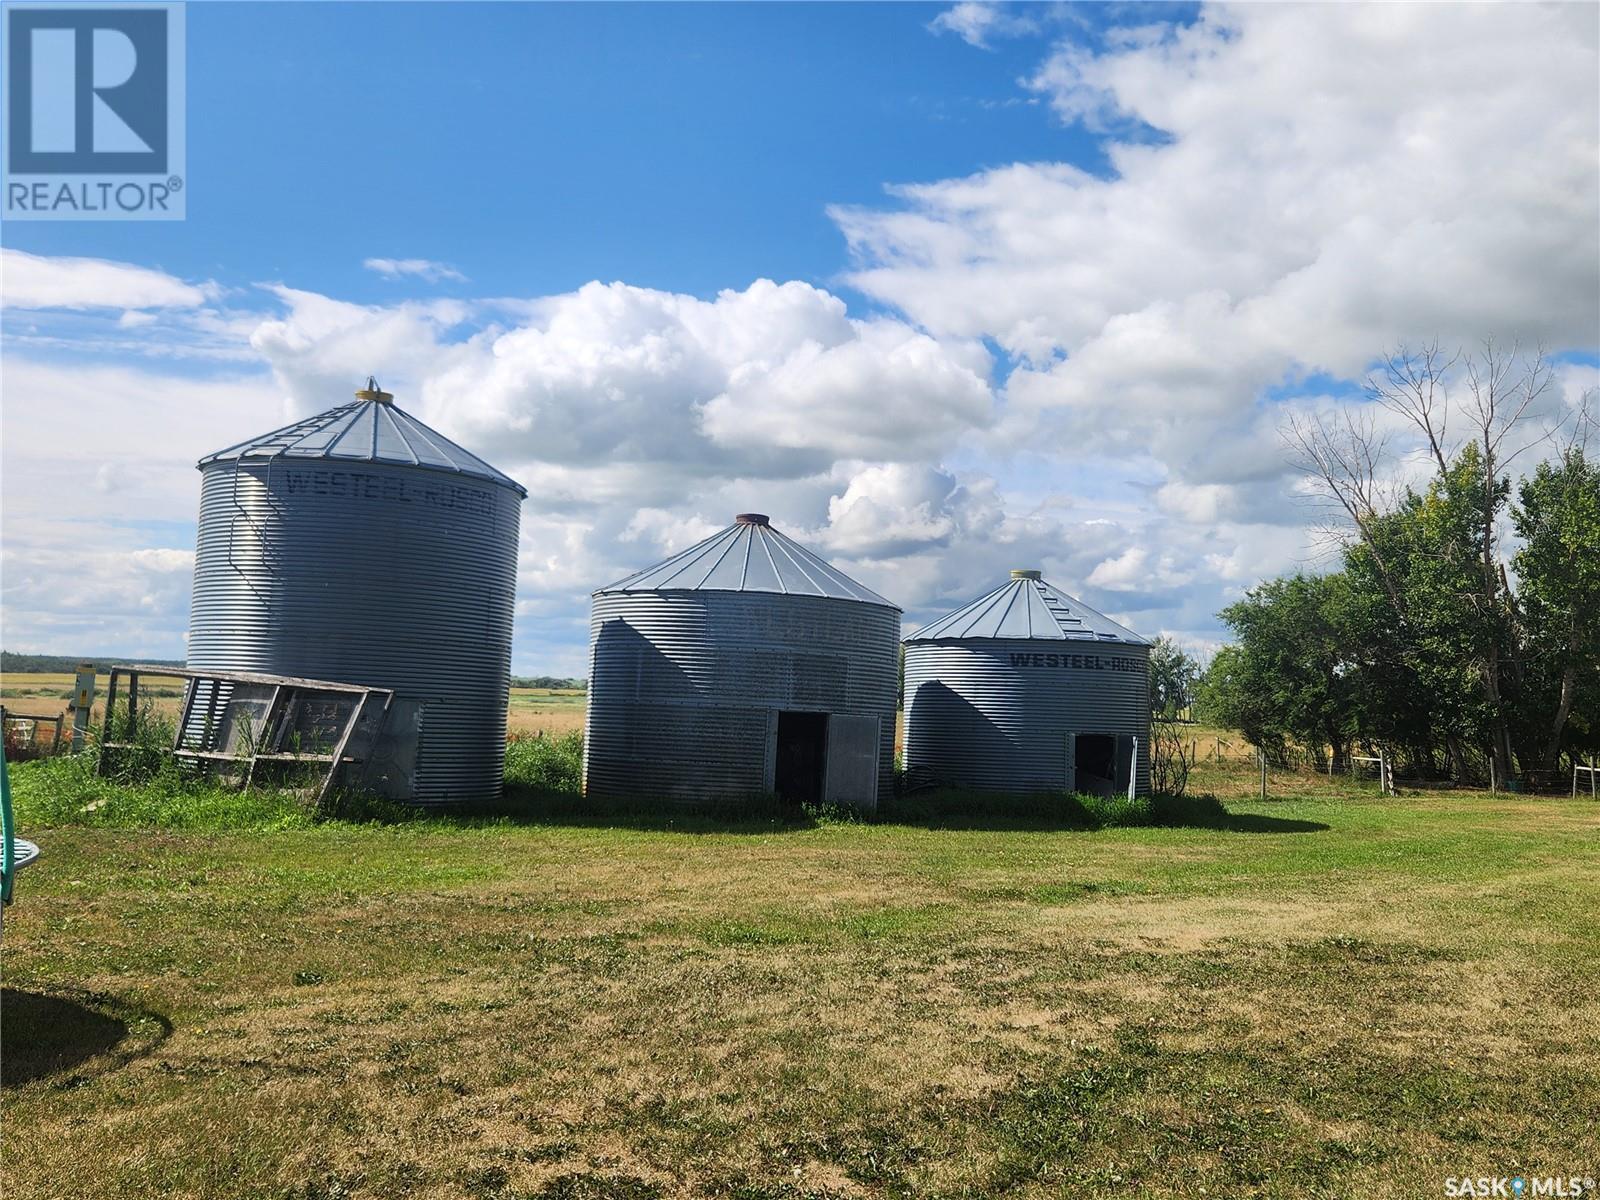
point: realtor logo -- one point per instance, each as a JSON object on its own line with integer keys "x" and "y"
{"x": 94, "y": 112}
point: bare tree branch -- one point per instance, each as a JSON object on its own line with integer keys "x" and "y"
{"x": 1343, "y": 456}
{"x": 1413, "y": 385}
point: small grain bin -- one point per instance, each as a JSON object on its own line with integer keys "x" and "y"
{"x": 363, "y": 547}
{"x": 744, "y": 665}
{"x": 1028, "y": 690}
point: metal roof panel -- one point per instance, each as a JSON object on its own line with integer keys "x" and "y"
{"x": 366, "y": 431}
{"x": 1027, "y": 609}
{"x": 748, "y": 556}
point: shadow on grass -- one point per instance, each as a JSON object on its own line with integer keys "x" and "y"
{"x": 959, "y": 809}
{"x": 523, "y": 805}
{"x": 946, "y": 809}
{"x": 43, "y": 1035}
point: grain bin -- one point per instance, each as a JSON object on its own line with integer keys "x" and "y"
{"x": 744, "y": 665}
{"x": 361, "y": 546}
{"x": 1028, "y": 690}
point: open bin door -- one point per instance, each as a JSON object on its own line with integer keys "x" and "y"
{"x": 852, "y": 780}
{"x": 1129, "y": 750}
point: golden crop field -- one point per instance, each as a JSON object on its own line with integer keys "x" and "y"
{"x": 545, "y": 710}
{"x": 532, "y": 710}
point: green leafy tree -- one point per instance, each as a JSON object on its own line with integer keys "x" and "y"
{"x": 1229, "y": 694}
{"x": 1172, "y": 677}
{"x": 1444, "y": 577}
{"x": 1290, "y": 676}
{"x": 1558, "y": 567}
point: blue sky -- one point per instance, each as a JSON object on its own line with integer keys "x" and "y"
{"x": 536, "y": 147}
{"x": 944, "y": 289}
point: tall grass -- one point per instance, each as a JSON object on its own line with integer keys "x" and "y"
{"x": 143, "y": 786}
{"x": 545, "y": 764}
{"x": 69, "y": 791}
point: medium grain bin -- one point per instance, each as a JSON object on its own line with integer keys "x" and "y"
{"x": 361, "y": 546}
{"x": 743, "y": 666}
{"x": 1028, "y": 690}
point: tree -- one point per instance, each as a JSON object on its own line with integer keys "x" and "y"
{"x": 1558, "y": 566}
{"x": 1227, "y": 695}
{"x": 1450, "y": 593}
{"x": 1172, "y": 678}
{"x": 1290, "y": 677}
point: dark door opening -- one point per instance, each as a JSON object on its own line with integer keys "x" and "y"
{"x": 802, "y": 757}
{"x": 1094, "y": 757}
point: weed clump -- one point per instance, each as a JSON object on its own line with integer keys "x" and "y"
{"x": 546, "y": 764}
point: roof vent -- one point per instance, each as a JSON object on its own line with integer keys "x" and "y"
{"x": 1029, "y": 573}
{"x": 751, "y": 519}
{"x": 374, "y": 393}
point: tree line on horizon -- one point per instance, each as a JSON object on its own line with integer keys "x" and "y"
{"x": 1466, "y": 653}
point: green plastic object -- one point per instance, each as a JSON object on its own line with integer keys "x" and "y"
{"x": 8, "y": 860}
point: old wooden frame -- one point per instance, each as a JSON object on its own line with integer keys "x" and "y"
{"x": 268, "y": 747}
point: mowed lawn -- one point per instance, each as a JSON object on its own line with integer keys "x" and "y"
{"x": 1334, "y": 996}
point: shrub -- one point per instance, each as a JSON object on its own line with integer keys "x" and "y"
{"x": 546, "y": 764}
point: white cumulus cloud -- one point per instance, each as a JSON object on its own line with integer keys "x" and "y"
{"x": 1322, "y": 182}
{"x": 38, "y": 281}
{"x": 1056, "y": 368}
{"x": 415, "y": 268}
{"x": 977, "y": 22}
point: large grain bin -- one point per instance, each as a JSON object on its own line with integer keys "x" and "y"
{"x": 744, "y": 665}
{"x": 361, "y": 546}
{"x": 1028, "y": 690}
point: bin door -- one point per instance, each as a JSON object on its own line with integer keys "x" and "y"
{"x": 852, "y": 778}
{"x": 1128, "y": 747}
{"x": 392, "y": 768}
{"x": 769, "y": 759}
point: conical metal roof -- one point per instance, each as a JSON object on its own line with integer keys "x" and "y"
{"x": 748, "y": 556}
{"x": 1027, "y": 608}
{"x": 371, "y": 429}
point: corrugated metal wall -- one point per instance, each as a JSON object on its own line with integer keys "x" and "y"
{"x": 681, "y": 685}
{"x": 391, "y": 576}
{"x": 997, "y": 715}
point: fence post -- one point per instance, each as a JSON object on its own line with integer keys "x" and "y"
{"x": 1261, "y": 757}
{"x": 1592, "y": 794}
{"x": 1133, "y": 769}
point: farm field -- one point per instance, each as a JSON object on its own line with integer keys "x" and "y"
{"x": 532, "y": 710}
{"x": 545, "y": 710}
{"x": 1333, "y": 995}
{"x": 48, "y": 693}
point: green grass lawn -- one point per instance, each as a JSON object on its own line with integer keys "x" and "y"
{"x": 1333, "y": 996}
